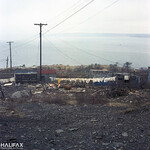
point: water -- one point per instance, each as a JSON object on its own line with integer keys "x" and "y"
{"x": 77, "y": 50}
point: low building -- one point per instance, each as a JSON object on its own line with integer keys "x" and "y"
{"x": 47, "y": 74}
{"x": 25, "y": 76}
{"x": 127, "y": 80}
{"x": 95, "y": 73}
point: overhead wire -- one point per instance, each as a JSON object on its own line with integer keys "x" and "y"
{"x": 69, "y": 16}
{"x": 91, "y": 17}
{"x": 65, "y": 14}
{"x": 31, "y": 40}
{"x": 37, "y": 55}
{"x": 19, "y": 46}
{"x": 74, "y": 60}
{"x": 35, "y": 37}
{"x": 26, "y": 43}
{"x": 89, "y": 53}
{"x": 66, "y": 10}
{"x": 85, "y": 21}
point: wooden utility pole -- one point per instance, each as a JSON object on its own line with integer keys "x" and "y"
{"x": 40, "y": 48}
{"x": 7, "y": 62}
{"x": 10, "y": 54}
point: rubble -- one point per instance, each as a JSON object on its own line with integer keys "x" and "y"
{"x": 67, "y": 87}
{"x": 83, "y": 117}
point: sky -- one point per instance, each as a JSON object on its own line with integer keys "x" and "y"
{"x": 125, "y": 16}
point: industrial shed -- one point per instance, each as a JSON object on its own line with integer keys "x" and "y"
{"x": 25, "y": 76}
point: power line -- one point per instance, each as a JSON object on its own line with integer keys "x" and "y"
{"x": 26, "y": 43}
{"x": 36, "y": 37}
{"x": 63, "y": 12}
{"x": 102, "y": 10}
{"x": 20, "y": 45}
{"x": 63, "y": 53}
{"x": 29, "y": 41}
{"x": 69, "y": 16}
{"x": 37, "y": 55}
{"x": 91, "y": 54}
{"x": 96, "y": 14}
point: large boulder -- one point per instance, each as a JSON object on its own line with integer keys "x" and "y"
{"x": 20, "y": 94}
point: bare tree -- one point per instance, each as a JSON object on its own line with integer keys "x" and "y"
{"x": 127, "y": 66}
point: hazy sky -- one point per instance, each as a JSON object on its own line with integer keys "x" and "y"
{"x": 126, "y": 16}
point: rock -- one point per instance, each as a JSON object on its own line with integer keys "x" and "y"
{"x": 20, "y": 94}
{"x": 58, "y": 131}
{"x": 94, "y": 132}
{"x": 105, "y": 144}
{"x": 117, "y": 144}
{"x": 52, "y": 142}
{"x": 94, "y": 120}
{"x": 73, "y": 129}
{"x": 125, "y": 134}
{"x": 119, "y": 124}
{"x": 12, "y": 112}
{"x": 37, "y": 92}
{"x": 82, "y": 142}
{"x": 22, "y": 136}
{"x": 25, "y": 93}
{"x": 132, "y": 140}
{"x": 98, "y": 137}
{"x": 67, "y": 87}
{"x": 31, "y": 87}
{"x": 38, "y": 86}
{"x": 16, "y": 95}
{"x": 39, "y": 130}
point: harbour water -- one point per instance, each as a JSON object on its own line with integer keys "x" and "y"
{"x": 86, "y": 49}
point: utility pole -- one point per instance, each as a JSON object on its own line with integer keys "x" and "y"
{"x": 7, "y": 62}
{"x": 10, "y": 54}
{"x": 40, "y": 48}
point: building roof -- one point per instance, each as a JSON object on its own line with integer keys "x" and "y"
{"x": 47, "y": 71}
{"x": 99, "y": 70}
{"x": 25, "y": 71}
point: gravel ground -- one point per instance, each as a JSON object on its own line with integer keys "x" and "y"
{"x": 43, "y": 126}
